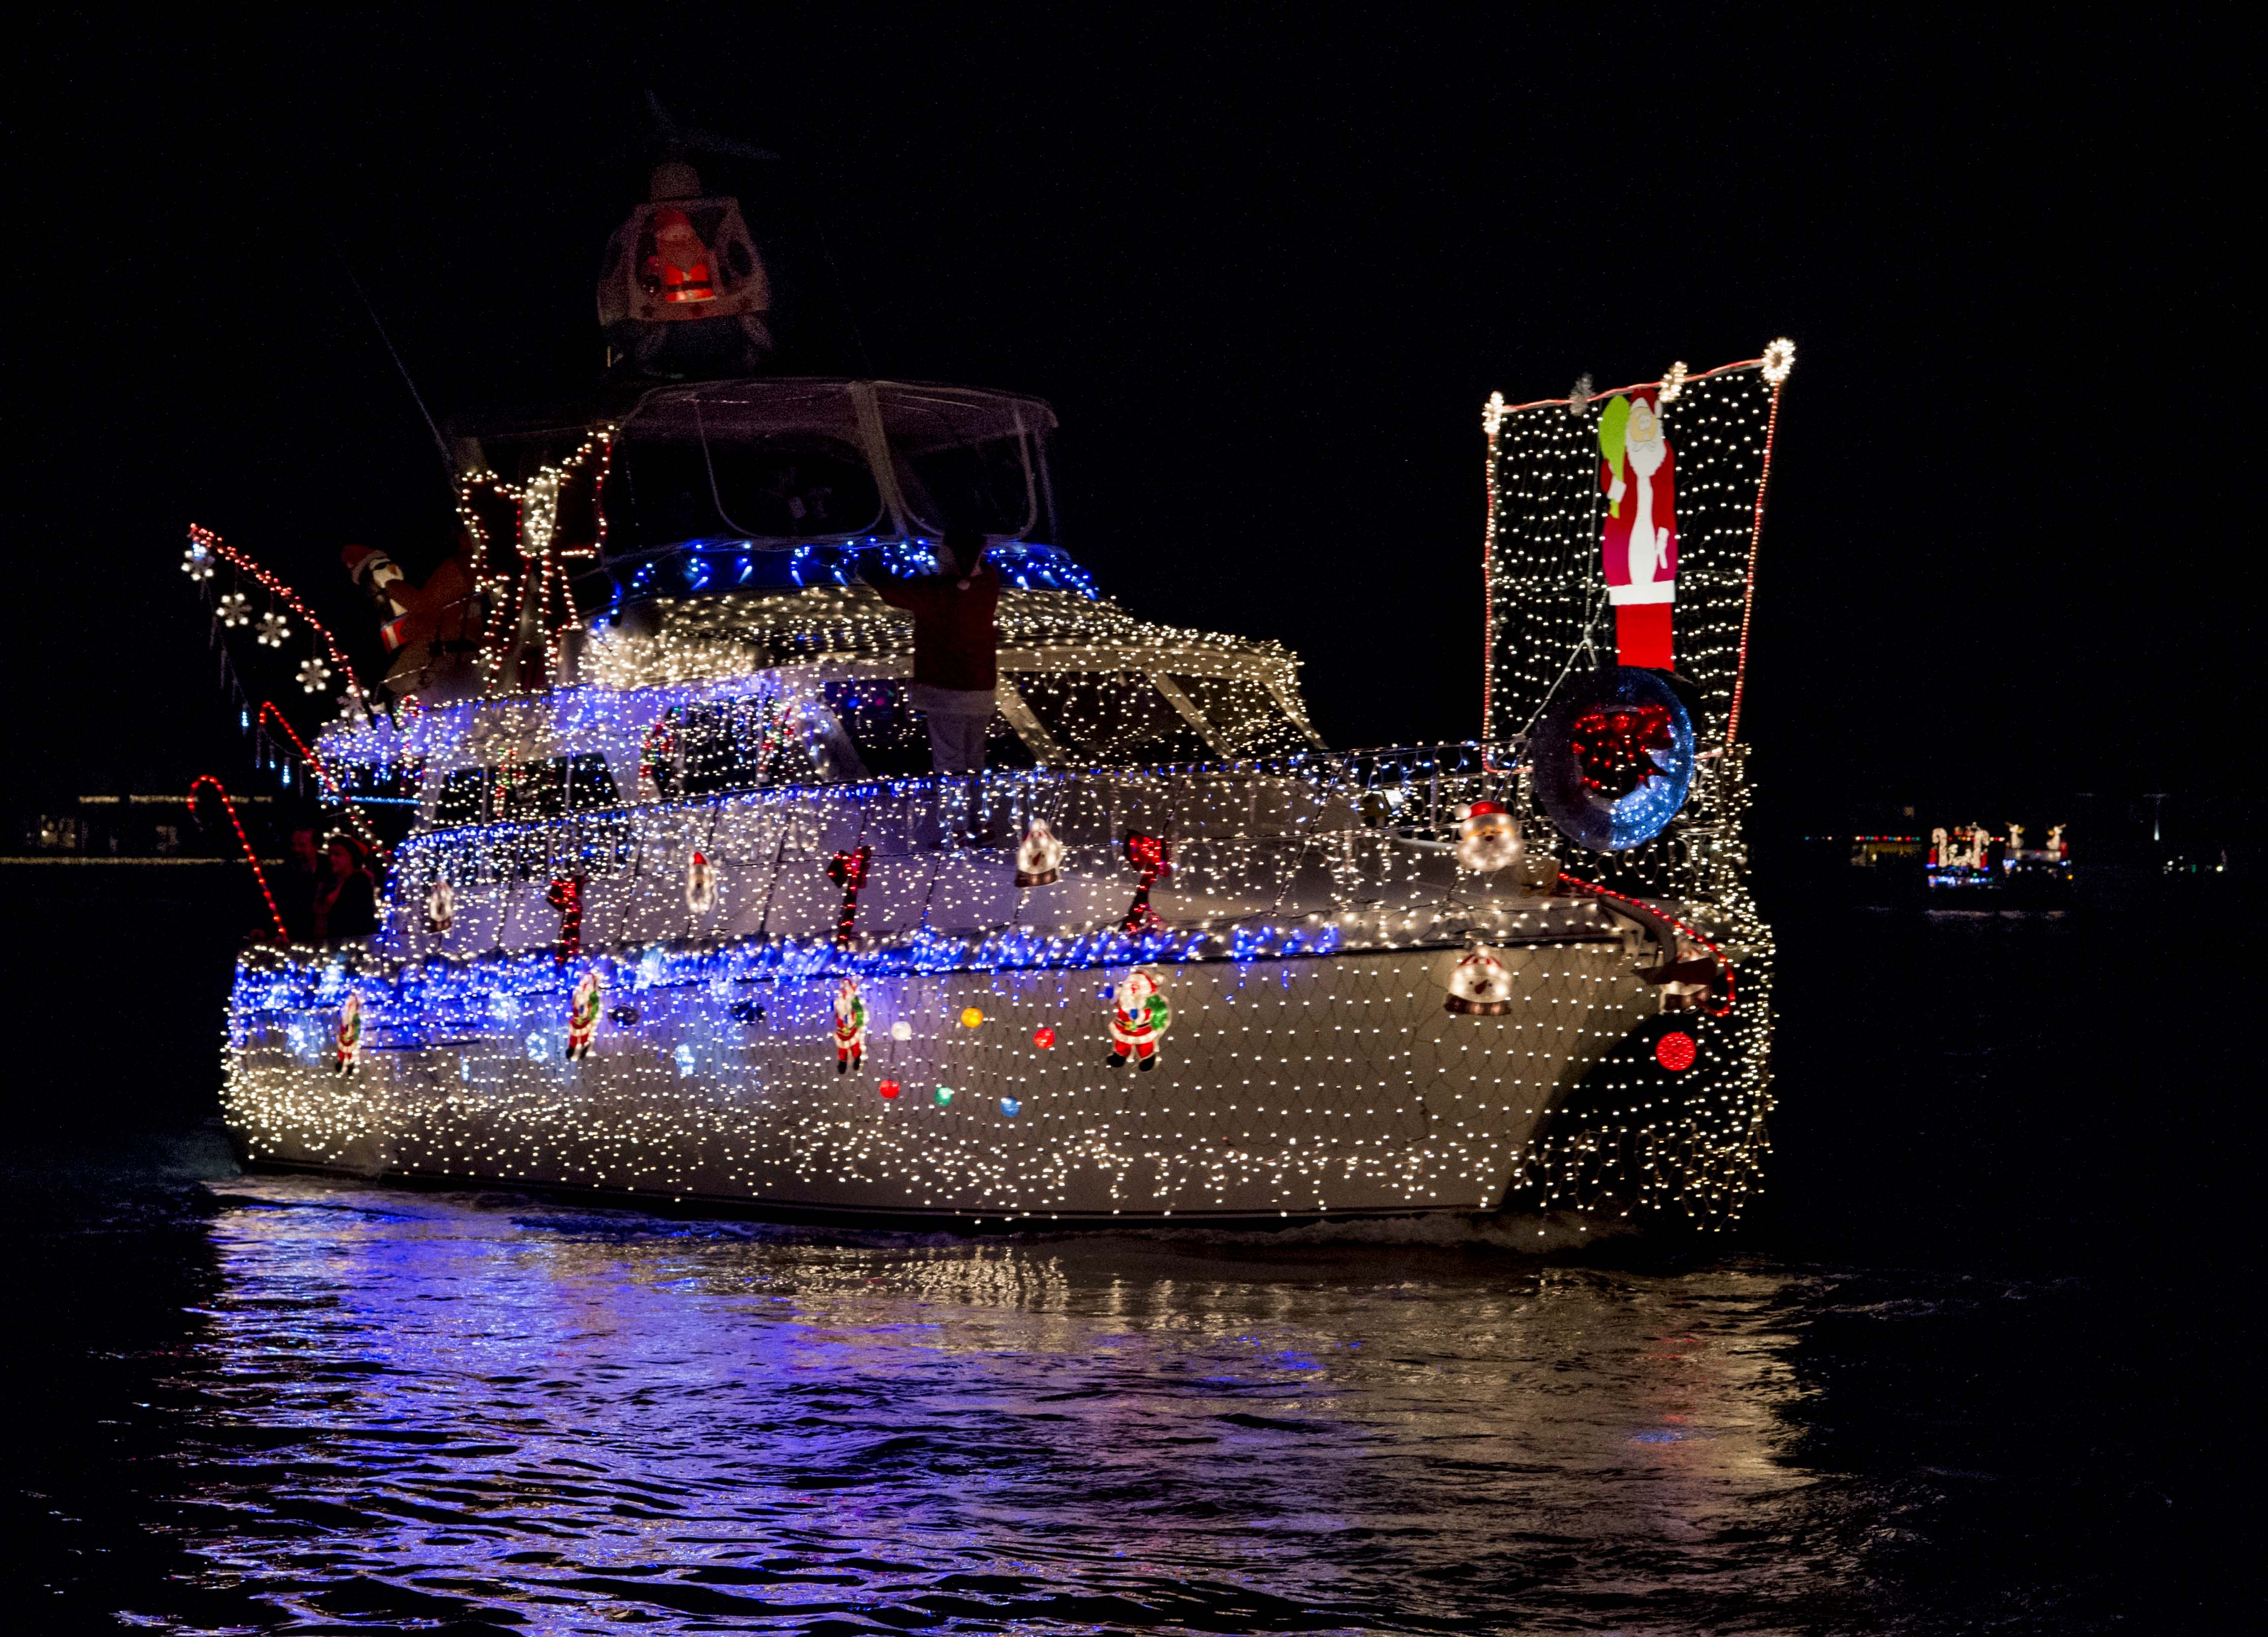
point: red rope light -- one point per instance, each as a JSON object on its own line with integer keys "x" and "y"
{"x": 269, "y": 582}
{"x": 1640, "y": 386}
{"x": 1723, "y": 965}
{"x": 282, "y": 936}
{"x": 361, "y": 822}
{"x": 1749, "y": 592}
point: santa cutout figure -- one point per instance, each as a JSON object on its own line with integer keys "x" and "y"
{"x": 1639, "y": 543}
{"x": 582, "y": 1017}
{"x": 850, "y": 1025}
{"x": 348, "y": 1056}
{"x": 1139, "y": 1016}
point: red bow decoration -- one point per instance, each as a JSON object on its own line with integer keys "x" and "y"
{"x": 848, "y": 870}
{"x": 1153, "y": 859}
{"x": 566, "y": 897}
{"x": 1614, "y": 747}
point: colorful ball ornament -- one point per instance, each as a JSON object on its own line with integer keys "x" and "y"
{"x": 1043, "y": 1038}
{"x": 1011, "y": 1106}
{"x": 970, "y": 1017}
{"x": 902, "y": 1030}
{"x": 944, "y": 1095}
{"x": 888, "y": 1088}
{"x": 1676, "y": 1052}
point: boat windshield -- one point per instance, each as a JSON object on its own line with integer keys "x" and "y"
{"x": 782, "y": 463}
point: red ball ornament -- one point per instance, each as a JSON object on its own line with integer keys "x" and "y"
{"x": 1043, "y": 1036}
{"x": 888, "y": 1088}
{"x": 1676, "y": 1052}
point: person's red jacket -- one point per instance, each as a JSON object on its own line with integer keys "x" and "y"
{"x": 955, "y": 641}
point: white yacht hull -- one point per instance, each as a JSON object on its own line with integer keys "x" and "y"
{"x": 1322, "y": 1086}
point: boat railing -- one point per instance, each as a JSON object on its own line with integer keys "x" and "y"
{"x": 1410, "y": 793}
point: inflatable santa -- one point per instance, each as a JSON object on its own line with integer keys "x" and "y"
{"x": 1639, "y": 546}
{"x": 432, "y": 630}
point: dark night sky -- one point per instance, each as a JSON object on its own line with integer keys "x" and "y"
{"x": 1267, "y": 275}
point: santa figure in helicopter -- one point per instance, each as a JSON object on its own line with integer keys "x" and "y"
{"x": 678, "y": 269}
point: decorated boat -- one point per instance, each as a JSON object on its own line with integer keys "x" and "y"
{"x": 681, "y": 912}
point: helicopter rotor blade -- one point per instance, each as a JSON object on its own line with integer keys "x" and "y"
{"x": 708, "y": 142}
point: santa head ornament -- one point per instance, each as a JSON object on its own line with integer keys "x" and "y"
{"x": 1039, "y": 857}
{"x": 1487, "y": 837}
{"x": 1480, "y": 986}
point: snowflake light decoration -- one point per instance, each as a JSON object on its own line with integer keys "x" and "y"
{"x": 274, "y": 628}
{"x": 1779, "y": 358}
{"x": 314, "y": 676}
{"x": 235, "y": 609}
{"x": 197, "y": 562}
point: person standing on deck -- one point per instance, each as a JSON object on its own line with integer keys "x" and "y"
{"x": 956, "y": 642}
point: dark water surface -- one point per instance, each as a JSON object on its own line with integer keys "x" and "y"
{"x": 1970, "y": 1372}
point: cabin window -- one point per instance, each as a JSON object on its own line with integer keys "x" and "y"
{"x": 892, "y": 740}
{"x": 520, "y": 790}
{"x": 1111, "y": 717}
{"x": 464, "y": 798}
{"x": 744, "y": 744}
{"x": 793, "y": 486}
{"x": 1244, "y": 717}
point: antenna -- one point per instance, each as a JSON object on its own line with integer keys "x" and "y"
{"x": 448, "y": 463}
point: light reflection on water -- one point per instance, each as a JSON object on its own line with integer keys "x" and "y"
{"x": 421, "y": 1406}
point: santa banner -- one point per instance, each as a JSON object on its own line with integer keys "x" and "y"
{"x": 1621, "y": 529}
{"x": 1638, "y": 540}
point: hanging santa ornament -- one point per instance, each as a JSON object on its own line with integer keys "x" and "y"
{"x": 700, "y": 883}
{"x": 440, "y": 906}
{"x": 566, "y": 897}
{"x": 1154, "y": 859}
{"x": 850, "y": 1025}
{"x": 1638, "y": 544}
{"x": 582, "y": 1017}
{"x": 1479, "y": 987}
{"x": 1487, "y": 837}
{"x": 348, "y": 1053}
{"x": 848, "y": 870}
{"x": 656, "y": 770}
{"x": 1139, "y": 1016}
{"x": 274, "y": 628}
{"x": 1039, "y": 856}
